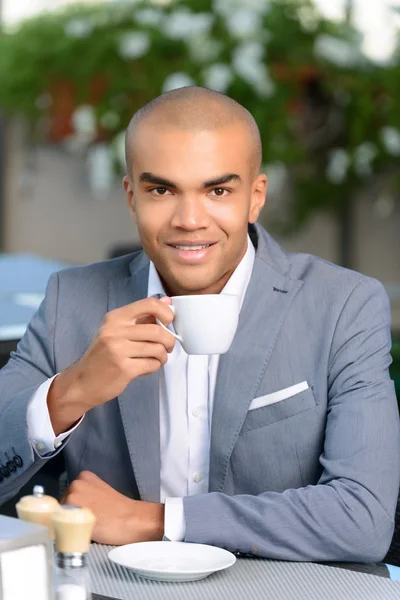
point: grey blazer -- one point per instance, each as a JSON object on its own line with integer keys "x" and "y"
{"x": 310, "y": 476}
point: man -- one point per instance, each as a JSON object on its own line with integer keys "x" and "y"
{"x": 285, "y": 447}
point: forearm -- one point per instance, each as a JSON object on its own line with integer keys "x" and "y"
{"x": 66, "y": 401}
{"x": 341, "y": 521}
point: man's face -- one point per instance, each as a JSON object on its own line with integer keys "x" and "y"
{"x": 192, "y": 195}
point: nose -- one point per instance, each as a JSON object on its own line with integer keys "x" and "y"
{"x": 190, "y": 214}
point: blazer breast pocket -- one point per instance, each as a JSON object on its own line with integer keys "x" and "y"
{"x": 277, "y": 407}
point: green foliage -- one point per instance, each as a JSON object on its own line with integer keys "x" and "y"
{"x": 308, "y": 104}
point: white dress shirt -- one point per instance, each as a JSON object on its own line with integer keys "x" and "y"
{"x": 186, "y": 395}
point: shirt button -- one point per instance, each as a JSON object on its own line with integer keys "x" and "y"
{"x": 58, "y": 444}
{"x": 197, "y": 477}
{"x": 195, "y": 412}
{"x": 40, "y": 446}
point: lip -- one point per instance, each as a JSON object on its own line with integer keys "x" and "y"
{"x": 192, "y": 243}
{"x": 192, "y": 256}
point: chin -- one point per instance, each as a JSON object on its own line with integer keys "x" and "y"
{"x": 188, "y": 286}
{"x": 187, "y": 290}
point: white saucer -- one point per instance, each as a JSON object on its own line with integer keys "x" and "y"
{"x": 172, "y": 561}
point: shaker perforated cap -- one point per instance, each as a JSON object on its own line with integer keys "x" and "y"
{"x": 38, "y": 502}
{"x": 38, "y": 508}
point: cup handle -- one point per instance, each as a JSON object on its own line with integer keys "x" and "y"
{"x": 178, "y": 337}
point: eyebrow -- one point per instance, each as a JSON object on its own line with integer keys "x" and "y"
{"x": 155, "y": 179}
{"x": 221, "y": 180}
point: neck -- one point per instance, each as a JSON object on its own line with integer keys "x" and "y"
{"x": 215, "y": 288}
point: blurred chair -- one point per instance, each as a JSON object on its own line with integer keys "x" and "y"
{"x": 6, "y": 347}
{"x": 393, "y": 556}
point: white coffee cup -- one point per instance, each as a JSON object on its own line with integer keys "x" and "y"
{"x": 205, "y": 324}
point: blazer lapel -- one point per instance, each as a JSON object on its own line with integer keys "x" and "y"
{"x": 139, "y": 402}
{"x": 268, "y": 299}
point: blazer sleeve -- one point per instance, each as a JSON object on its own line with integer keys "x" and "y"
{"x": 349, "y": 514}
{"x": 29, "y": 366}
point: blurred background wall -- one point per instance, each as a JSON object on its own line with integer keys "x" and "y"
{"x": 307, "y": 65}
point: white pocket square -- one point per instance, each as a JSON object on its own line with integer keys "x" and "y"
{"x": 278, "y": 396}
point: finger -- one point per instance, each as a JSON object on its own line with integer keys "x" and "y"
{"x": 75, "y": 501}
{"x": 146, "y": 350}
{"x": 144, "y": 308}
{"x": 69, "y": 497}
{"x": 90, "y": 477}
{"x": 146, "y": 321}
{"x": 146, "y": 333}
{"x": 144, "y": 366}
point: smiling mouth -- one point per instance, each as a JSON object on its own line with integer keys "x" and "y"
{"x": 191, "y": 247}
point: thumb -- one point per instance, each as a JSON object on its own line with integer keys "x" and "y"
{"x": 166, "y": 300}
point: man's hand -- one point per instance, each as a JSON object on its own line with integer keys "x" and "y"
{"x": 119, "y": 520}
{"x": 129, "y": 344}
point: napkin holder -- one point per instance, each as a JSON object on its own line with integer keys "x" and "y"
{"x": 26, "y": 560}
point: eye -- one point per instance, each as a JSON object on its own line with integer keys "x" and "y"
{"x": 220, "y": 192}
{"x": 160, "y": 191}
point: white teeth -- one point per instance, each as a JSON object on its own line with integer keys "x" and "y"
{"x": 192, "y": 247}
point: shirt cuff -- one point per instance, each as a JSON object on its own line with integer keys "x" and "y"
{"x": 174, "y": 520}
{"x": 40, "y": 431}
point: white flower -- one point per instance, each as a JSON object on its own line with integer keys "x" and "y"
{"x": 134, "y": 44}
{"x": 110, "y": 120}
{"x": 183, "y": 24}
{"x": 228, "y": 7}
{"x": 247, "y": 55}
{"x": 162, "y": 2}
{"x": 118, "y": 145}
{"x": 151, "y": 17}
{"x": 84, "y": 121}
{"x": 202, "y": 48}
{"x": 264, "y": 85}
{"x": 100, "y": 169}
{"x": 336, "y": 51}
{"x": 218, "y": 77}
{"x": 339, "y": 162}
{"x": 391, "y": 140}
{"x": 384, "y": 206}
{"x": 175, "y": 81}
{"x": 79, "y": 28}
{"x": 244, "y": 23}
{"x": 277, "y": 174}
{"x": 308, "y": 18}
{"x": 248, "y": 63}
{"x": 364, "y": 154}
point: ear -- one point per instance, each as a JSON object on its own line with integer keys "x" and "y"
{"x": 258, "y": 197}
{"x": 129, "y": 195}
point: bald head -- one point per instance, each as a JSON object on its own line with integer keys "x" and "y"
{"x": 194, "y": 109}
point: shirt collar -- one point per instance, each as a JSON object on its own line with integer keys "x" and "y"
{"x": 236, "y": 285}
{"x": 155, "y": 287}
{"x": 240, "y": 278}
